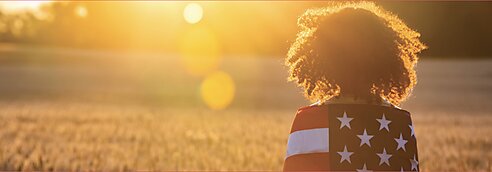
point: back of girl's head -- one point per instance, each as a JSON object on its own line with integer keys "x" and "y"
{"x": 354, "y": 48}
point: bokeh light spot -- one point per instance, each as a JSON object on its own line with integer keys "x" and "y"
{"x": 81, "y": 11}
{"x": 193, "y": 13}
{"x": 217, "y": 90}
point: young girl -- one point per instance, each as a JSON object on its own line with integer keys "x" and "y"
{"x": 357, "y": 61}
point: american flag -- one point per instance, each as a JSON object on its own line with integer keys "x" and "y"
{"x": 352, "y": 137}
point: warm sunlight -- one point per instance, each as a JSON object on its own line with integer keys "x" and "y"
{"x": 168, "y": 85}
{"x": 200, "y": 51}
{"x": 217, "y": 90}
{"x": 193, "y": 13}
{"x": 16, "y": 6}
{"x": 81, "y": 11}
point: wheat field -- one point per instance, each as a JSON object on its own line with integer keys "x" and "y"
{"x": 86, "y": 137}
{"x": 76, "y": 115}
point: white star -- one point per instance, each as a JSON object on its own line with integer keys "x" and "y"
{"x": 384, "y": 158}
{"x": 412, "y": 131}
{"x": 345, "y": 121}
{"x": 364, "y": 138}
{"x": 345, "y": 155}
{"x": 401, "y": 143}
{"x": 364, "y": 169}
{"x": 383, "y": 123}
{"x": 414, "y": 162}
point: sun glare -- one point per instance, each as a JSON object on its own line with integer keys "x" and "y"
{"x": 81, "y": 11}
{"x": 217, "y": 90}
{"x": 200, "y": 51}
{"x": 17, "y": 6}
{"x": 193, "y": 13}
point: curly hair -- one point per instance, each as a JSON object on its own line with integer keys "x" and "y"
{"x": 354, "y": 48}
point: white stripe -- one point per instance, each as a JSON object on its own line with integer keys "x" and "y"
{"x": 308, "y": 141}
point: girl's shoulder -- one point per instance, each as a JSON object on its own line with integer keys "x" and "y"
{"x": 325, "y": 108}
{"x": 311, "y": 106}
{"x": 318, "y": 116}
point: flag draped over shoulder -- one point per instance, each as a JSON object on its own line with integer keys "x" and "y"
{"x": 351, "y": 137}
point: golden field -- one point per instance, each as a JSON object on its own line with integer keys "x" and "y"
{"x": 43, "y": 136}
{"x": 104, "y": 111}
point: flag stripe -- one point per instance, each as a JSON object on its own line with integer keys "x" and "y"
{"x": 308, "y": 162}
{"x": 310, "y": 118}
{"x": 308, "y": 141}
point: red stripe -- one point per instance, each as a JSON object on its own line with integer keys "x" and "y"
{"x": 310, "y": 118}
{"x": 308, "y": 162}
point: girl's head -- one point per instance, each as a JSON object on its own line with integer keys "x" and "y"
{"x": 354, "y": 48}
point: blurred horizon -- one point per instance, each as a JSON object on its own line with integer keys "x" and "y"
{"x": 450, "y": 29}
{"x": 195, "y": 53}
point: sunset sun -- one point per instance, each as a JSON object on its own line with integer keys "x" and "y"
{"x": 193, "y": 13}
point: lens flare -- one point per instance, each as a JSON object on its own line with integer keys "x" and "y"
{"x": 81, "y": 11}
{"x": 217, "y": 90}
{"x": 200, "y": 51}
{"x": 193, "y": 13}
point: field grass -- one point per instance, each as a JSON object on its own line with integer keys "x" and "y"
{"x": 92, "y": 114}
{"x": 43, "y": 136}
{"x": 87, "y": 137}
